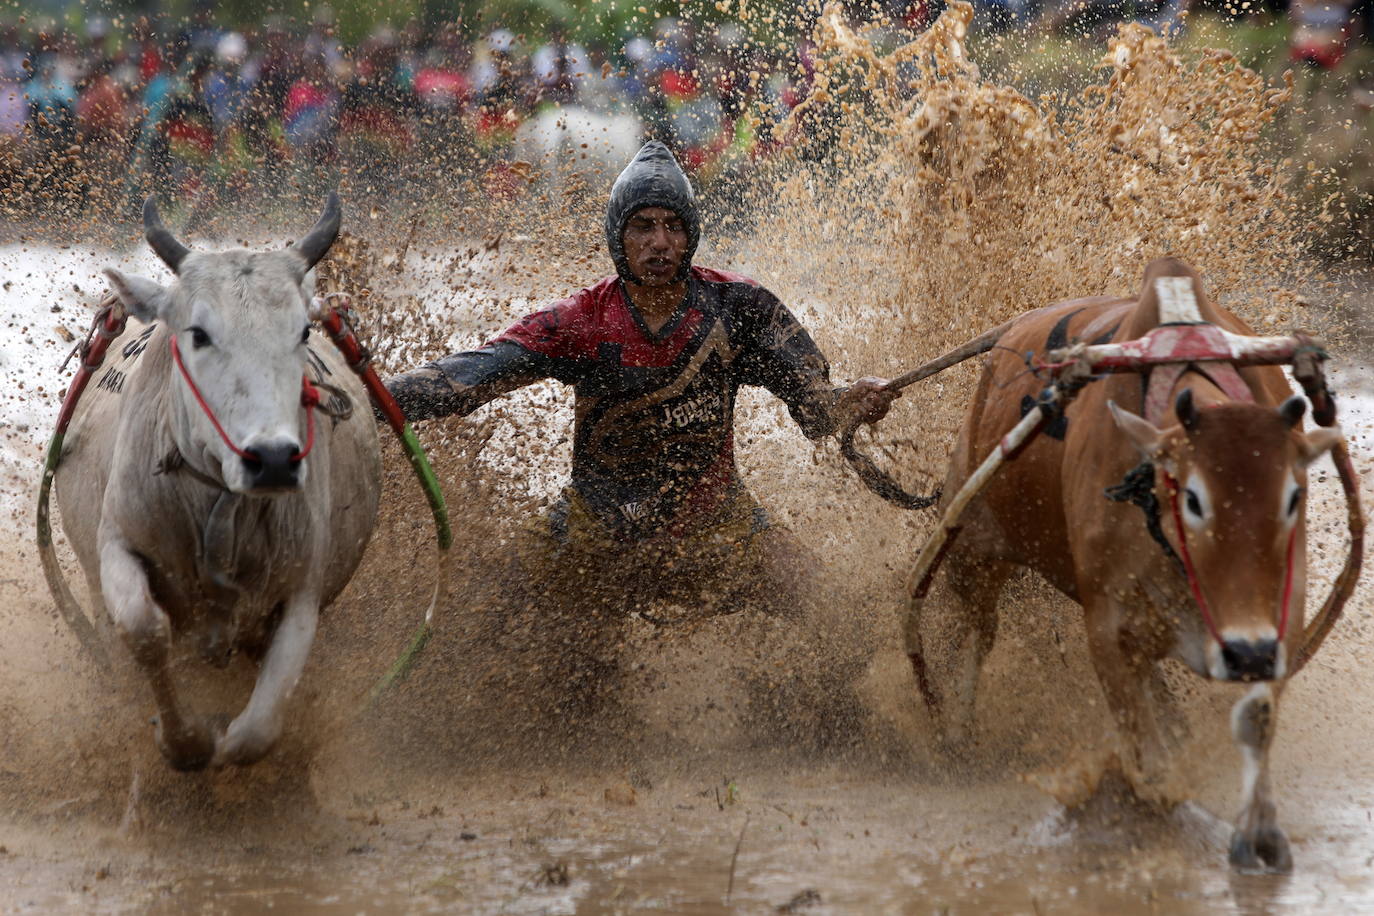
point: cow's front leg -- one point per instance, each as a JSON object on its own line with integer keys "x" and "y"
{"x": 251, "y": 735}
{"x": 186, "y": 741}
{"x": 1258, "y": 844}
{"x": 968, "y": 630}
{"x": 1124, "y": 675}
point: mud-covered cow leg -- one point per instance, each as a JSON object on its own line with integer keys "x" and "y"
{"x": 188, "y": 742}
{"x": 950, "y": 683}
{"x": 1258, "y": 844}
{"x": 256, "y": 729}
{"x": 1125, "y": 677}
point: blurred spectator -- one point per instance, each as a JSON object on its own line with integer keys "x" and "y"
{"x": 376, "y": 122}
{"x": 559, "y": 69}
{"x": 312, "y": 111}
{"x": 320, "y": 39}
{"x": 52, "y": 134}
{"x": 184, "y": 133}
{"x": 102, "y": 111}
{"x": 441, "y": 85}
{"x": 14, "y": 106}
{"x": 1319, "y": 32}
{"x": 503, "y": 90}
{"x": 226, "y": 91}
{"x": 52, "y": 105}
{"x": 189, "y": 113}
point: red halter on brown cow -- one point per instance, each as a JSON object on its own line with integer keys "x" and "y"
{"x": 1213, "y": 572}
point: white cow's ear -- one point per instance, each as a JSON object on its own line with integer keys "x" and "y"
{"x": 1318, "y": 442}
{"x": 1142, "y": 433}
{"x": 144, "y": 299}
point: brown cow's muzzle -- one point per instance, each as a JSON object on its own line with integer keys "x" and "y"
{"x": 1250, "y": 659}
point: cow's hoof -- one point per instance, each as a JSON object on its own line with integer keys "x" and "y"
{"x": 1265, "y": 850}
{"x": 187, "y": 748}
{"x": 244, "y": 744}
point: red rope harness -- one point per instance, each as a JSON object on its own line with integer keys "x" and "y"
{"x": 1196, "y": 587}
{"x": 310, "y": 398}
{"x": 1287, "y": 581}
{"x": 1188, "y": 568}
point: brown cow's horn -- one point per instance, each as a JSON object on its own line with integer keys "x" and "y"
{"x": 318, "y": 239}
{"x": 1186, "y": 410}
{"x": 163, "y": 242}
{"x": 1293, "y": 409}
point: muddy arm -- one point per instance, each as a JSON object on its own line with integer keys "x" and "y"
{"x": 461, "y": 382}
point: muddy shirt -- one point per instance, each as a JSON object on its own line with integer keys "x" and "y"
{"x": 653, "y": 442}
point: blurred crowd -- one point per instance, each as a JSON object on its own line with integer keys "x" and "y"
{"x": 108, "y": 112}
{"x": 116, "y": 109}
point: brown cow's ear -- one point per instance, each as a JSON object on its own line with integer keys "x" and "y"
{"x": 1143, "y": 435}
{"x": 1292, "y": 410}
{"x": 1318, "y": 442}
{"x": 1186, "y": 410}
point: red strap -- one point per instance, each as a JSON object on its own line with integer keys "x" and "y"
{"x": 1287, "y": 581}
{"x": 1196, "y": 586}
{"x": 1193, "y": 583}
{"x": 310, "y": 398}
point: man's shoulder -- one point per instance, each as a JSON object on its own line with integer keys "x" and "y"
{"x": 712, "y": 275}
{"x": 600, "y": 294}
{"x": 568, "y": 327}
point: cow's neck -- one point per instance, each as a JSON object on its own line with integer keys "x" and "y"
{"x": 174, "y": 462}
{"x": 217, "y": 562}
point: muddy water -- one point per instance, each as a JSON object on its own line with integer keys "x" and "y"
{"x": 745, "y": 764}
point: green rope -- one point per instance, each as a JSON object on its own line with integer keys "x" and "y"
{"x": 416, "y": 453}
{"x": 45, "y": 488}
{"x": 403, "y": 665}
{"x": 401, "y": 668}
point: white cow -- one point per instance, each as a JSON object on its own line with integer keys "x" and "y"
{"x": 204, "y": 499}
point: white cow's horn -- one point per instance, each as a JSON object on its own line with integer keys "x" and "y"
{"x": 318, "y": 239}
{"x": 163, "y": 242}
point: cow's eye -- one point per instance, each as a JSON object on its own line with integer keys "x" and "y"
{"x": 305, "y": 335}
{"x": 199, "y": 339}
{"x": 1193, "y": 503}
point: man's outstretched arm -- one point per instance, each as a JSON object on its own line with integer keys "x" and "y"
{"x": 787, "y": 362}
{"x": 461, "y": 382}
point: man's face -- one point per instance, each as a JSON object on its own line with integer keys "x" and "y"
{"x": 655, "y": 244}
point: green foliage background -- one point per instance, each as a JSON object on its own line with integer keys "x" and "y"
{"x": 586, "y": 20}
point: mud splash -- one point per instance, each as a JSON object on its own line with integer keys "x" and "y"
{"x": 941, "y": 205}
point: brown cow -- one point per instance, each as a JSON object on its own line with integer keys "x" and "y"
{"x": 1223, "y": 486}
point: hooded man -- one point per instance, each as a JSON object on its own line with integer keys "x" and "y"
{"x": 655, "y": 509}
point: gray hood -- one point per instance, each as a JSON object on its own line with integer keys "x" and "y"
{"x": 652, "y": 179}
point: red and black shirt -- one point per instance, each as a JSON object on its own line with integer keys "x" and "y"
{"x": 653, "y": 443}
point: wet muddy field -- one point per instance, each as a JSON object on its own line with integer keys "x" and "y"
{"x": 689, "y": 793}
{"x": 744, "y": 763}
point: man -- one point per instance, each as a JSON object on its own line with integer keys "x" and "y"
{"x": 655, "y": 513}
